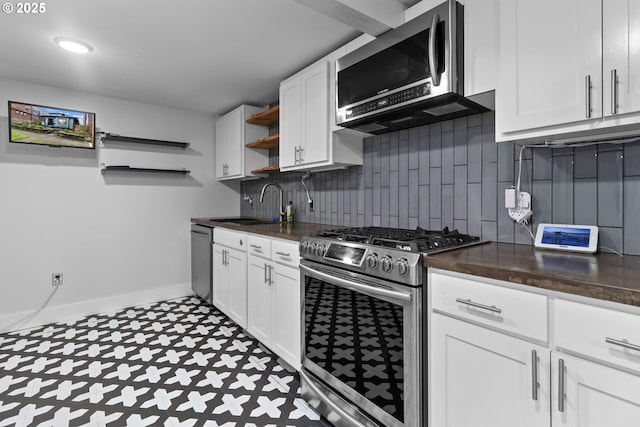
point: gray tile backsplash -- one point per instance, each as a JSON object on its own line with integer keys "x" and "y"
{"x": 454, "y": 174}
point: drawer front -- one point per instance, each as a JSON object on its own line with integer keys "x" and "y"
{"x": 257, "y": 245}
{"x": 229, "y": 238}
{"x": 601, "y": 333}
{"x": 284, "y": 252}
{"x": 505, "y": 309}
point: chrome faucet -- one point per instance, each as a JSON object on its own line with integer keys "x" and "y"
{"x": 281, "y": 200}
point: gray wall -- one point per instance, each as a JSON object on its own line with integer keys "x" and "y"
{"x": 454, "y": 174}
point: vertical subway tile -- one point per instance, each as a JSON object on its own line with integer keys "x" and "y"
{"x": 435, "y": 194}
{"x": 542, "y": 169}
{"x": 489, "y": 231}
{"x": 489, "y": 191}
{"x": 505, "y": 225}
{"x": 368, "y": 205}
{"x": 403, "y": 206}
{"x": 393, "y": 193}
{"x": 394, "y": 148}
{"x": 632, "y": 215}
{"x": 447, "y": 125}
{"x": 447, "y": 205}
{"x": 631, "y": 159}
{"x": 447, "y": 157}
{"x": 562, "y": 190}
{"x": 384, "y": 163}
{"x": 474, "y": 216}
{"x": 423, "y": 159}
{"x": 435, "y": 145}
{"x": 610, "y": 189}
{"x": 489, "y": 146}
{"x": 474, "y": 150}
{"x": 460, "y": 192}
{"x": 505, "y": 162}
{"x": 541, "y": 201}
{"x": 460, "y": 139}
{"x": 423, "y": 205}
{"x": 376, "y": 193}
{"x": 585, "y": 201}
{"x": 435, "y": 224}
{"x": 461, "y": 226}
{"x": 585, "y": 162}
{"x": 414, "y": 150}
{"x": 393, "y": 222}
{"x": 375, "y": 142}
{"x": 412, "y": 191}
{"x": 403, "y": 161}
{"x": 474, "y": 120}
{"x": 385, "y": 208}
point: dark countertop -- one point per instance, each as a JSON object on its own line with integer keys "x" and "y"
{"x": 602, "y": 276}
{"x": 291, "y": 231}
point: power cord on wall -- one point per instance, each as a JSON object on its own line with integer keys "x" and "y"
{"x": 18, "y": 324}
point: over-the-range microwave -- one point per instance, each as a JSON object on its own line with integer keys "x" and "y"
{"x": 409, "y": 76}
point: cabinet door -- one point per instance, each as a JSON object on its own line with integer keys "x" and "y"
{"x": 621, "y": 56}
{"x": 315, "y": 107}
{"x": 481, "y": 377}
{"x": 235, "y": 146}
{"x": 220, "y": 282}
{"x": 287, "y": 313}
{"x": 222, "y": 137}
{"x": 259, "y": 299}
{"x": 290, "y": 122}
{"x": 548, "y": 50}
{"x": 593, "y": 395}
{"x": 237, "y": 282}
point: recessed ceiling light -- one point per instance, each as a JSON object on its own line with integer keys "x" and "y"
{"x": 73, "y": 45}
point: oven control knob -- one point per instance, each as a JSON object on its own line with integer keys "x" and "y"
{"x": 303, "y": 247}
{"x": 320, "y": 249}
{"x": 403, "y": 266}
{"x": 311, "y": 248}
{"x": 386, "y": 263}
{"x": 372, "y": 261}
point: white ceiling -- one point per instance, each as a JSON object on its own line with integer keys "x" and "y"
{"x": 203, "y": 55}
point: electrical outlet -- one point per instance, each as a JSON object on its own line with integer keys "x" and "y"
{"x": 56, "y": 279}
{"x": 522, "y": 212}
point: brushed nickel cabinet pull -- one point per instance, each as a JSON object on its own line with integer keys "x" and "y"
{"x": 287, "y": 254}
{"x": 587, "y": 90}
{"x": 560, "y": 385}
{"x": 491, "y": 308}
{"x": 266, "y": 279}
{"x": 534, "y": 375}
{"x": 256, "y": 246}
{"x": 622, "y": 344}
{"x": 614, "y": 91}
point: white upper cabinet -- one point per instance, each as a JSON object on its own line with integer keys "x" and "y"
{"x": 555, "y": 78}
{"x": 233, "y": 160}
{"x": 309, "y": 137}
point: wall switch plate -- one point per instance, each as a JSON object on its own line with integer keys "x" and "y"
{"x": 522, "y": 212}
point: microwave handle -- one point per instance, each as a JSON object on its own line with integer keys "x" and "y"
{"x": 433, "y": 55}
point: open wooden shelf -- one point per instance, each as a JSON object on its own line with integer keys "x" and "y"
{"x": 268, "y": 169}
{"x": 268, "y": 142}
{"x": 266, "y": 118}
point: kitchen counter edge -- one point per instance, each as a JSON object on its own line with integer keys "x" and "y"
{"x": 601, "y": 276}
{"x": 289, "y": 231}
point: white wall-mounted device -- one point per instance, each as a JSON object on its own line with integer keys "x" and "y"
{"x": 518, "y": 203}
{"x": 567, "y": 237}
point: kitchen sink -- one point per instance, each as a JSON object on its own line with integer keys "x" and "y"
{"x": 242, "y": 220}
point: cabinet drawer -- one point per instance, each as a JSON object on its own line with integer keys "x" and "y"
{"x": 608, "y": 335}
{"x": 231, "y": 239}
{"x": 509, "y": 310}
{"x": 285, "y": 252}
{"x": 260, "y": 246}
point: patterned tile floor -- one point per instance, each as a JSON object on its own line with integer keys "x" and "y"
{"x": 173, "y": 363}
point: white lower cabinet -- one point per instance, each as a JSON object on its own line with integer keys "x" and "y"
{"x": 593, "y": 395}
{"x": 485, "y": 358}
{"x": 274, "y": 297}
{"x": 230, "y": 274}
{"x": 480, "y": 377}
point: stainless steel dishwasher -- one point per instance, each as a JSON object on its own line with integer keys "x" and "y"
{"x": 201, "y": 253}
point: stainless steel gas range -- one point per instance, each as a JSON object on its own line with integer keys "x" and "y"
{"x": 364, "y": 337}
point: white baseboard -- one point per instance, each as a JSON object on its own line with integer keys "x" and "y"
{"x": 68, "y": 312}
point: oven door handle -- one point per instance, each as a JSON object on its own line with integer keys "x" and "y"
{"x": 357, "y": 286}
